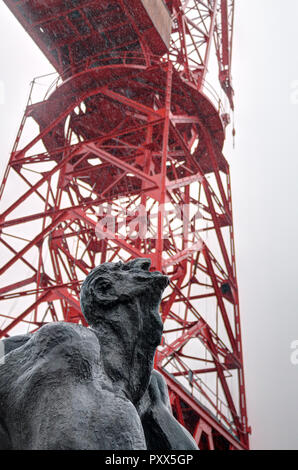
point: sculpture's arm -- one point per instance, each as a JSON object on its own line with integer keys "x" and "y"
{"x": 162, "y": 430}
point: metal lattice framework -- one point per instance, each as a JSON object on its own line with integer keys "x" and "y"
{"x": 123, "y": 158}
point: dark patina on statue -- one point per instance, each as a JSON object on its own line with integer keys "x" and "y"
{"x": 71, "y": 387}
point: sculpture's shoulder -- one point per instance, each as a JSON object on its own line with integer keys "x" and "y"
{"x": 58, "y": 333}
{"x": 51, "y": 334}
{"x": 56, "y": 352}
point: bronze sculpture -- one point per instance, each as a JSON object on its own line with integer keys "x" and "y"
{"x": 71, "y": 387}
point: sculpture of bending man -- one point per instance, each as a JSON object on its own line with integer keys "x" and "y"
{"x": 71, "y": 387}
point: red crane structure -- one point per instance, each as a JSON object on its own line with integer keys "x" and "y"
{"x": 122, "y": 157}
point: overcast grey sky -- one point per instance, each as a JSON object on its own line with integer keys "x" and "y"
{"x": 264, "y": 168}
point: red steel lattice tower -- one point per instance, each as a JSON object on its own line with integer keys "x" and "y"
{"x": 123, "y": 158}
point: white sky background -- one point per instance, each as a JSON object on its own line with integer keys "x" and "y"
{"x": 264, "y": 168}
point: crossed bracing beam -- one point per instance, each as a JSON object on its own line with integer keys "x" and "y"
{"x": 81, "y": 212}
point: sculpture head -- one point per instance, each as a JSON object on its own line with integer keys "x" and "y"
{"x": 125, "y": 297}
